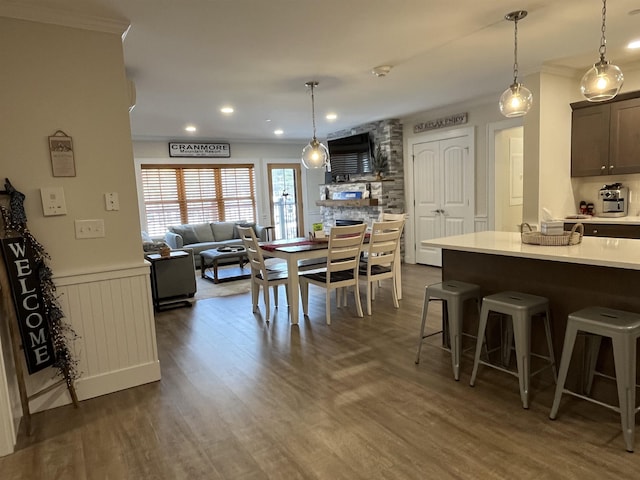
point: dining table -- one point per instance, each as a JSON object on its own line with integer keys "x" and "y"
{"x": 300, "y": 250}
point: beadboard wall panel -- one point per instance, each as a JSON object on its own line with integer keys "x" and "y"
{"x": 112, "y": 314}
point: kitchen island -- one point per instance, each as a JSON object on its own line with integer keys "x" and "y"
{"x": 597, "y": 271}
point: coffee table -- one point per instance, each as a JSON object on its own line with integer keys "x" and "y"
{"x": 209, "y": 260}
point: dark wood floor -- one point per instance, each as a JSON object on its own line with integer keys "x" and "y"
{"x": 243, "y": 399}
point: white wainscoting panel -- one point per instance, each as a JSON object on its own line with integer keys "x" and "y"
{"x": 112, "y": 314}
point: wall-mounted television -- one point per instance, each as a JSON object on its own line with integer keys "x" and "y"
{"x": 350, "y": 155}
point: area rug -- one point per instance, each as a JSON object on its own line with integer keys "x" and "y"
{"x": 208, "y": 289}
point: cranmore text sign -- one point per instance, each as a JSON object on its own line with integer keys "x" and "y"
{"x": 457, "y": 119}
{"x": 32, "y": 318}
{"x": 219, "y": 150}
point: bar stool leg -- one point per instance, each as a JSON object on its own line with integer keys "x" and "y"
{"x": 522, "y": 336}
{"x": 482, "y": 327}
{"x": 455, "y": 336}
{"x": 425, "y": 309}
{"x": 552, "y": 357}
{"x": 567, "y": 350}
{"x": 592, "y": 348}
{"x": 624, "y": 353}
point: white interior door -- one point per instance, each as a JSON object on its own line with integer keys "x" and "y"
{"x": 426, "y": 170}
{"x": 444, "y": 193}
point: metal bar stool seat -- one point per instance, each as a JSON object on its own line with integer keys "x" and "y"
{"x": 522, "y": 308}
{"x": 624, "y": 329}
{"x": 453, "y": 294}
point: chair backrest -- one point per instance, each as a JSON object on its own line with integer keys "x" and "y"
{"x": 345, "y": 245}
{"x": 386, "y": 217}
{"x": 254, "y": 252}
{"x": 384, "y": 242}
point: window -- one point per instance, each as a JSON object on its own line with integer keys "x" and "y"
{"x": 197, "y": 193}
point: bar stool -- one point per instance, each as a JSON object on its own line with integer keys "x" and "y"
{"x": 624, "y": 329}
{"x": 522, "y": 308}
{"x": 453, "y": 294}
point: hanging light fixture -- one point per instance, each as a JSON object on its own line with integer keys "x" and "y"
{"x": 315, "y": 154}
{"x": 517, "y": 99}
{"x": 604, "y": 80}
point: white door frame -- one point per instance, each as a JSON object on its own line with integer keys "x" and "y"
{"x": 492, "y": 130}
{"x": 410, "y": 242}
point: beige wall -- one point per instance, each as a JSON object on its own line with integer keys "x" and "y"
{"x": 68, "y": 79}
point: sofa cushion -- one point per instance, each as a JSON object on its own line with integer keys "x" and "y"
{"x": 223, "y": 230}
{"x": 186, "y": 232}
{"x": 203, "y": 232}
{"x": 236, "y": 234}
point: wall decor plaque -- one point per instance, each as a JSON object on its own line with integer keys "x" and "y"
{"x": 451, "y": 120}
{"x": 61, "y": 151}
{"x": 216, "y": 150}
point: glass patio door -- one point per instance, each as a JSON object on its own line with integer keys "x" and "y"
{"x": 285, "y": 198}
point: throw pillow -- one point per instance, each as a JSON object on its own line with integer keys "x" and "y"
{"x": 223, "y": 231}
{"x": 203, "y": 232}
{"x": 186, "y": 232}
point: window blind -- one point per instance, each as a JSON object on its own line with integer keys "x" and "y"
{"x": 199, "y": 193}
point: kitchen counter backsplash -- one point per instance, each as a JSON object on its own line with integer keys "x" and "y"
{"x": 587, "y": 188}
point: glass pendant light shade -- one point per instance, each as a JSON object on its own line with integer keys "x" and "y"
{"x": 315, "y": 155}
{"x": 516, "y": 101}
{"x": 601, "y": 82}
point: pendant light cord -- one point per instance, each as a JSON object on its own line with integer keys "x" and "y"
{"x": 515, "y": 52}
{"x": 313, "y": 111}
{"x": 603, "y": 40}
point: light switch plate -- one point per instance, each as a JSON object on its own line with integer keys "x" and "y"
{"x": 89, "y": 228}
{"x": 53, "y": 201}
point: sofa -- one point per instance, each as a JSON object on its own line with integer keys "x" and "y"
{"x": 204, "y": 236}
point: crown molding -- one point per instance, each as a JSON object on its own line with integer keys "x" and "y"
{"x": 63, "y": 18}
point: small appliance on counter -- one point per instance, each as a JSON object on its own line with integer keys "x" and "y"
{"x": 614, "y": 200}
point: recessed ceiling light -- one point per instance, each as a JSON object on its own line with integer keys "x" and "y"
{"x": 634, "y": 44}
{"x": 331, "y": 116}
{"x": 226, "y": 110}
{"x": 278, "y": 131}
{"x": 190, "y": 128}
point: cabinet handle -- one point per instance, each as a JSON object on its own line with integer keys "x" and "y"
{"x": 610, "y": 167}
{"x": 603, "y": 167}
{"x": 595, "y": 230}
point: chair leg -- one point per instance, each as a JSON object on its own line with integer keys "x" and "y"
{"x": 567, "y": 350}
{"x": 286, "y": 292}
{"x": 327, "y": 307}
{"x": 482, "y": 327}
{"x": 624, "y": 353}
{"x": 267, "y": 301}
{"x": 369, "y": 293}
{"x": 275, "y": 295}
{"x": 425, "y": 309}
{"x": 394, "y": 292}
{"x": 255, "y": 292}
{"x": 356, "y": 293}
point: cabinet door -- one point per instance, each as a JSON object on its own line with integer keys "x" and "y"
{"x": 614, "y": 230}
{"x": 625, "y": 137}
{"x": 590, "y": 141}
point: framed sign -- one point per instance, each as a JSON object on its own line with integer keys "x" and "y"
{"x": 61, "y": 151}
{"x": 216, "y": 150}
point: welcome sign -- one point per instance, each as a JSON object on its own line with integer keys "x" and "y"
{"x": 29, "y": 304}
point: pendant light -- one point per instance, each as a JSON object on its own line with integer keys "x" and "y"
{"x": 516, "y": 100}
{"x": 603, "y": 81}
{"x": 315, "y": 154}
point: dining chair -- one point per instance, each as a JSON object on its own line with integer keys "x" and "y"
{"x": 343, "y": 255}
{"x": 261, "y": 276}
{"x": 382, "y": 255}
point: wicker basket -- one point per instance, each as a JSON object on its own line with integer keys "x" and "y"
{"x": 567, "y": 238}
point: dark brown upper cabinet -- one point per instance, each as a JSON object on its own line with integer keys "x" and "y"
{"x": 605, "y": 137}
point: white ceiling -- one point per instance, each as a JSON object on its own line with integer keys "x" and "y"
{"x": 188, "y": 58}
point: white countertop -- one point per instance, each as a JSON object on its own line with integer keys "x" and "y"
{"x": 602, "y": 251}
{"x": 628, "y": 220}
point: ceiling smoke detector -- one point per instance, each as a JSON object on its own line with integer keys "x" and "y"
{"x": 381, "y": 71}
